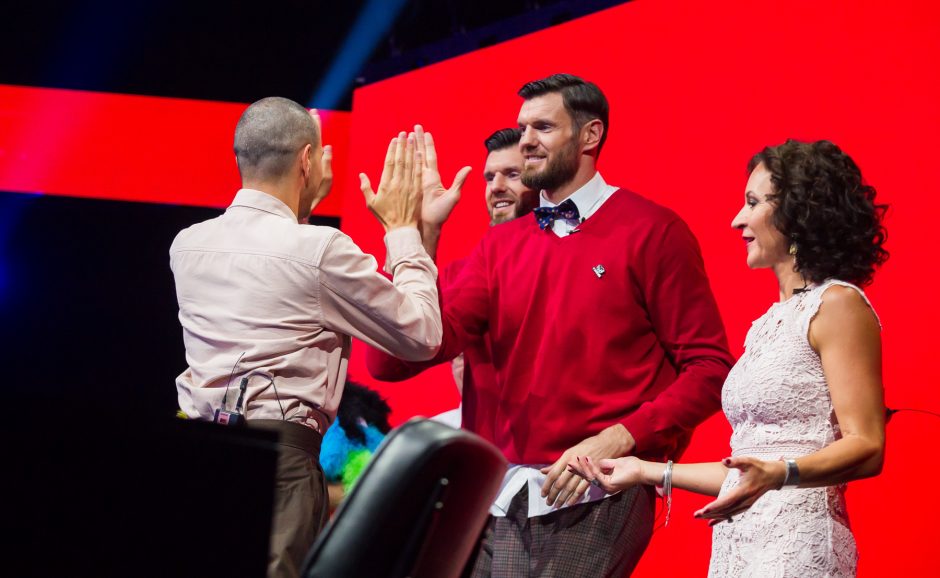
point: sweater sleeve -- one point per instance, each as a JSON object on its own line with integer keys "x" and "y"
{"x": 464, "y": 309}
{"x": 685, "y": 317}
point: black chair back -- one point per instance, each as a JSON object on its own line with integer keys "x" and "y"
{"x": 417, "y": 510}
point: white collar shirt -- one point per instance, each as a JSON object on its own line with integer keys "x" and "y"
{"x": 588, "y": 199}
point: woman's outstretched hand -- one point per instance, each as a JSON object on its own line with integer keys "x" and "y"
{"x": 610, "y": 475}
{"x": 757, "y": 478}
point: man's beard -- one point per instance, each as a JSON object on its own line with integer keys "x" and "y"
{"x": 557, "y": 172}
{"x": 500, "y": 220}
{"x": 516, "y": 213}
{"x": 522, "y": 206}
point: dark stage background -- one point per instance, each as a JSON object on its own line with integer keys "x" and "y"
{"x": 88, "y": 303}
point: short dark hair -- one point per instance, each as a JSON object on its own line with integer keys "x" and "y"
{"x": 826, "y": 210}
{"x": 504, "y": 138}
{"x": 268, "y": 135}
{"x": 583, "y": 100}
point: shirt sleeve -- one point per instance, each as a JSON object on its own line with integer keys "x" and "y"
{"x": 465, "y": 307}
{"x": 402, "y": 316}
{"x": 688, "y": 325}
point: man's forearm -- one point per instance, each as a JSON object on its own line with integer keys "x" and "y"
{"x": 385, "y": 367}
{"x": 692, "y": 398}
{"x": 430, "y": 237}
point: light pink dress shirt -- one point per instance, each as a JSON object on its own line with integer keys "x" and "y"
{"x": 289, "y": 296}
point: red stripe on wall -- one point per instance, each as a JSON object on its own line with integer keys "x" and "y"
{"x": 132, "y": 148}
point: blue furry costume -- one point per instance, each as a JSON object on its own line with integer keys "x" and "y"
{"x": 360, "y": 426}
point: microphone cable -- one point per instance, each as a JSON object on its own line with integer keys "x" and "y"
{"x": 232, "y": 374}
{"x": 889, "y": 412}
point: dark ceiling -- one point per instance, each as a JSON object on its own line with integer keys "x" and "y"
{"x": 241, "y": 51}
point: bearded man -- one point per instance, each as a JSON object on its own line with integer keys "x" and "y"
{"x": 605, "y": 341}
{"x": 507, "y": 198}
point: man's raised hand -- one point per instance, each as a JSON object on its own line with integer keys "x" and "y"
{"x": 326, "y": 174}
{"x": 438, "y": 202}
{"x": 398, "y": 200}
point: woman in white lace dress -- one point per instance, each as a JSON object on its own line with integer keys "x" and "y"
{"x": 805, "y": 399}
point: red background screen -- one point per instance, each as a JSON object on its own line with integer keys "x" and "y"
{"x": 695, "y": 89}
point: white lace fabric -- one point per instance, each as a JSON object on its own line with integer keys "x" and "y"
{"x": 777, "y": 400}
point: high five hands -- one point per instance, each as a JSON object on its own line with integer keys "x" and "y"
{"x": 411, "y": 170}
{"x": 398, "y": 200}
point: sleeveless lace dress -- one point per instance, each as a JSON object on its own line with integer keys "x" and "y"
{"x": 777, "y": 401}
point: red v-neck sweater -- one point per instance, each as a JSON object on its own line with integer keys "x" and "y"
{"x": 478, "y": 404}
{"x": 613, "y": 323}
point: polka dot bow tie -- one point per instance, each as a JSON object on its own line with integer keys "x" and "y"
{"x": 545, "y": 216}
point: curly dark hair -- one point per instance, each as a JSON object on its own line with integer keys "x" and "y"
{"x": 825, "y": 209}
{"x": 359, "y": 401}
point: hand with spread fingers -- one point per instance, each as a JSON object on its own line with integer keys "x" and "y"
{"x": 756, "y": 479}
{"x": 438, "y": 202}
{"x": 397, "y": 203}
{"x": 563, "y": 486}
{"x": 610, "y": 475}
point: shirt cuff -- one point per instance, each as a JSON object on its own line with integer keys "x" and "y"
{"x": 402, "y": 244}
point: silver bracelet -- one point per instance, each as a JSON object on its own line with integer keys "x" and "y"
{"x": 667, "y": 490}
{"x": 792, "y": 477}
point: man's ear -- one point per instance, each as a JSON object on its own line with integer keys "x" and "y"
{"x": 306, "y": 162}
{"x": 591, "y": 134}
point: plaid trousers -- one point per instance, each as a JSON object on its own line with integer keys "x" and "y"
{"x": 602, "y": 538}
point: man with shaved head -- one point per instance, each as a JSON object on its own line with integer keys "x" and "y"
{"x": 268, "y": 303}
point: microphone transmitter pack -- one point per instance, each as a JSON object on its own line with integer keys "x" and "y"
{"x": 233, "y": 418}
{"x": 229, "y": 418}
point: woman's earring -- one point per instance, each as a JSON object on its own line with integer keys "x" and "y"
{"x": 793, "y": 249}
